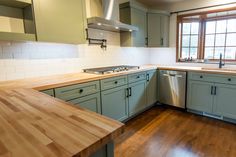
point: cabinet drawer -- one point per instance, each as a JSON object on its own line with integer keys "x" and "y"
{"x": 137, "y": 77}
{"x": 113, "y": 82}
{"x": 226, "y": 79}
{"x": 49, "y": 92}
{"x": 76, "y": 91}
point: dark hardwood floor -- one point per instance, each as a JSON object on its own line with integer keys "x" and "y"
{"x": 163, "y": 132}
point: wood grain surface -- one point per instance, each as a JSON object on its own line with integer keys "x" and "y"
{"x": 33, "y": 124}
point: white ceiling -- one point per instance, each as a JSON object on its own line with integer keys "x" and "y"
{"x": 155, "y": 2}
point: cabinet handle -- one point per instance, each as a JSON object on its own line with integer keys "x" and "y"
{"x": 212, "y": 88}
{"x": 148, "y": 78}
{"x": 130, "y": 91}
{"x": 229, "y": 79}
{"x": 146, "y": 41}
{"x": 116, "y": 82}
{"x": 81, "y": 91}
{"x": 162, "y": 41}
{"x": 215, "y": 90}
{"x": 138, "y": 77}
{"x": 201, "y": 76}
{"x": 127, "y": 92}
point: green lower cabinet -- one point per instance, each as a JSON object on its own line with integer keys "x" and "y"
{"x": 115, "y": 103}
{"x": 106, "y": 151}
{"x": 224, "y": 101}
{"x": 137, "y": 98}
{"x": 151, "y": 87}
{"x": 199, "y": 96}
{"x": 90, "y": 102}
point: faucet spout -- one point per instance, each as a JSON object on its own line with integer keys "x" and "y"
{"x": 221, "y": 64}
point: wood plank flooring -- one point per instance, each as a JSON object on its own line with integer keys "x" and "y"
{"x": 163, "y": 132}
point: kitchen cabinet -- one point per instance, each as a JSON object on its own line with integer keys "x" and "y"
{"x": 137, "y": 17}
{"x": 225, "y": 100}
{"x": 137, "y": 97}
{"x": 17, "y": 22}
{"x": 49, "y": 92}
{"x": 115, "y": 103}
{"x": 213, "y": 94}
{"x": 151, "y": 87}
{"x": 105, "y": 151}
{"x": 200, "y": 96}
{"x": 158, "y": 30}
{"x": 86, "y": 95}
{"x": 59, "y": 21}
{"x": 91, "y": 102}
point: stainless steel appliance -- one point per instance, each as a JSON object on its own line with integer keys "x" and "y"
{"x": 173, "y": 88}
{"x": 112, "y": 69}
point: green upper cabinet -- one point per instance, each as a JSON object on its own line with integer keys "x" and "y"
{"x": 224, "y": 101}
{"x": 151, "y": 87}
{"x": 60, "y": 21}
{"x": 137, "y": 17}
{"x": 158, "y": 30}
{"x": 137, "y": 97}
{"x": 199, "y": 96}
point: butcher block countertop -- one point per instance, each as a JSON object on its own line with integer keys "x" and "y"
{"x": 33, "y": 124}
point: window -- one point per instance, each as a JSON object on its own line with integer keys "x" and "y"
{"x": 207, "y": 35}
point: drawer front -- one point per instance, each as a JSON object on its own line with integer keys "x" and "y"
{"x": 226, "y": 79}
{"x": 136, "y": 77}
{"x": 113, "y": 82}
{"x": 49, "y": 92}
{"x": 77, "y": 91}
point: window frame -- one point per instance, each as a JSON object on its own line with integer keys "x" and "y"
{"x": 202, "y": 31}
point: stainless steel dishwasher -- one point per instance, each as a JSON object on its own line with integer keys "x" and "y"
{"x": 173, "y": 88}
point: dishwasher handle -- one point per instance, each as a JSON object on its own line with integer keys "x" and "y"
{"x": 172, "y": 75}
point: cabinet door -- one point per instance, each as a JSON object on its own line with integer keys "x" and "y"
{"x": 137, "y": 99}
{"x": 199, "y": 96}
{"x": 115, "y": 103}
{"x": 224, "y": 101}
{"x": 154, "y": 30}
{"x": 158, "y": 30}
{"x": 60, "y": 21}
{"x": 139, "y": 19}
{"x": 151, "y": 87}
{"x": 90, "y": 102}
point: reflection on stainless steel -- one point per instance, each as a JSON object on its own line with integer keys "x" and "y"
{"x": 173, "y": 88}
{"x": 112, "y": 69}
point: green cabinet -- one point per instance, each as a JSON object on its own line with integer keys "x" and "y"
{"x": 212, "y": 94}
{"x": 49, "y": 92}
{"x": 137, "y": 17}
{"x": 91, "y": 102}
{"x": 60, "y": 21}
{"x": 137, "y": 97}
{"x": 158, "y": 30}
{"x": 151, "y": 87}
{"x": 225, "y": 100}
{"x": 200, "y": 96}
{"x": 105, "y": 151}
{"x": 115, "y": 103}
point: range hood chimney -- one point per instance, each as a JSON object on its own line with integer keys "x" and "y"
{"x": 108, "y": 21}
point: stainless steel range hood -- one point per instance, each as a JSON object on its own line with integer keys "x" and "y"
{"x": 108, "y": 21}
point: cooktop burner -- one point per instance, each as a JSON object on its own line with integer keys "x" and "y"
{"x": 112, "y": 69}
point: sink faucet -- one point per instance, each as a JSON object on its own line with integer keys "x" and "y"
{"x": 221, "y": 64}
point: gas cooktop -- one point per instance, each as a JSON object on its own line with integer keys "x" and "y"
{"x": 112, "y": 69}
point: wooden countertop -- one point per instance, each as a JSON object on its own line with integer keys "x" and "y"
{"x": 33, "y": 124}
